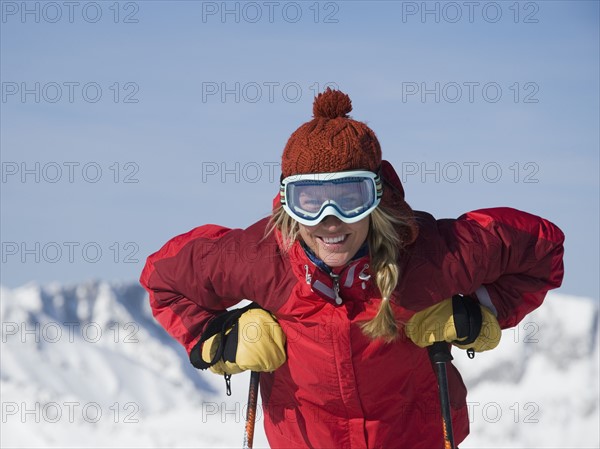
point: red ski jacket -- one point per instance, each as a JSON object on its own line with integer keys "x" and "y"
{"x": 338, "y": 389}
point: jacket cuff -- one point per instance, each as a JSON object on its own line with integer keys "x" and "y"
{"x": 484, "y": 299}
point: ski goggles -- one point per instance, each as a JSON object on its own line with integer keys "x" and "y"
{"x": 350, "y": 196}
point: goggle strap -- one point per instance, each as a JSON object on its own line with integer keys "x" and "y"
{"x": 379, "y": 187}
{"x": 282, "y": 194}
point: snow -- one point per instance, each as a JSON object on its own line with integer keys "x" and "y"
{"x": 540, "y": 387}
{"x": 86, "y": 366}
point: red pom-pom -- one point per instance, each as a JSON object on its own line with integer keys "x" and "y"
{"x": 332, "y": 104}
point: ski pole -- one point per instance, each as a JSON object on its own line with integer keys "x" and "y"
{"x": 251, "y": 409}
{"x": 439, "y": 354}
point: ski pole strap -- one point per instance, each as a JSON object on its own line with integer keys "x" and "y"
{"x": 467, "y": 318}
{"x": 220, "y": 325}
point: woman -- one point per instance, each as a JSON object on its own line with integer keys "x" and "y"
{"x": 352, "y": 286}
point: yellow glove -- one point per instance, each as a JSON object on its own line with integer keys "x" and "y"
{"x": 251, "y": 340}
{"x": 459, "y": 320}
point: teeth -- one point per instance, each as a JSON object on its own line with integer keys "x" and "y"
{"x": 330, "y": 240}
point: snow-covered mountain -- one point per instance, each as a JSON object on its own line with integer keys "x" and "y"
{"x": 87, "y": 366}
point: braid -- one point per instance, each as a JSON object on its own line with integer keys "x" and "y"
{"x": 384, "y": 244}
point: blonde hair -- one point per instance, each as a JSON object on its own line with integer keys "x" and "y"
{"x": 287, "y": 226}
{"x": 385, "y": 245}
{"x": 384, "y": 248}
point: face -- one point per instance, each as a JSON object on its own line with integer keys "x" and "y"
{"x": 333, "y": 241}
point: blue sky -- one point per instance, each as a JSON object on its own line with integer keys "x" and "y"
{"x": 124, "y": 124}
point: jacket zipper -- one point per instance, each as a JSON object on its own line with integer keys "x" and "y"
{"x": 336, "y": 287}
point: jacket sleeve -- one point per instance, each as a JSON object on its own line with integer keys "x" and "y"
{"x": 193, "y": 277}
{"x": 506, "y": 258}
{"x": 523, "y": 260}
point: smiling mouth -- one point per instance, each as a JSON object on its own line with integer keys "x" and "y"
{"x": 334, "y": 240}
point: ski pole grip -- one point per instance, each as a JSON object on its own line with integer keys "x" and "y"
{"x": 439, "y": 352}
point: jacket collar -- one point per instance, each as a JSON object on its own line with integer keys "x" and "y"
{"x": 363, "y": 251}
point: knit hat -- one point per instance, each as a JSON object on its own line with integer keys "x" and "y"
{"x": 333, "y": 142}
